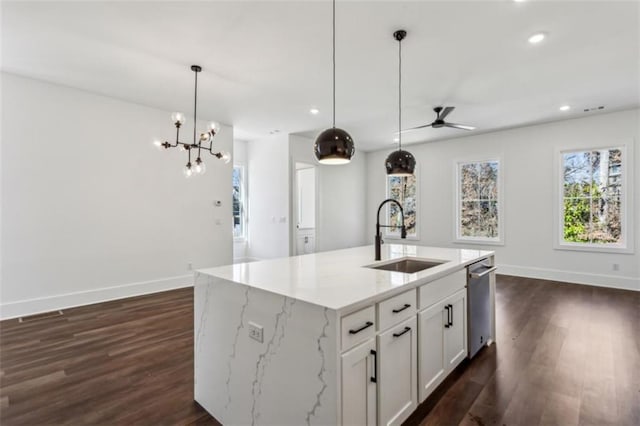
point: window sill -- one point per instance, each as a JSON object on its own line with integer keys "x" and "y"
{"x": 480, "y": 242}
{"x": 239, "y": 240}
{"x": 397, "y": 237}
{"x": 594, "y": 248}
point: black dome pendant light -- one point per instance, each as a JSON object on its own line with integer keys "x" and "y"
{"x": 400, "y": 163}
{"x": 334, "y": 146}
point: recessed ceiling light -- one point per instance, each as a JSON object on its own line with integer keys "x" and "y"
{"x": 519, "y": 1}
{"x": 314, "y": 111}
{"x": 565, "y": 108}
{"x": 537, "y": 38}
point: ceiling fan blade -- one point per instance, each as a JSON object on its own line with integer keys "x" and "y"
{"x": 446, "y": 112}
{"x": 416, "y": 128}
{"x": 459, "y": 126}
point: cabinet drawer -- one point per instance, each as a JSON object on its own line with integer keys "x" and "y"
{"x": 437, "y": 290}
{"x": 396, "y": 309}
{"x": 357, "y": 327}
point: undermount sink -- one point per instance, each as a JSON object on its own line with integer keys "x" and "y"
{"x": 408, "y": 266}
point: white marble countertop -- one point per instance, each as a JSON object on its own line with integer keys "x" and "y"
{"x": 339, "y": 279}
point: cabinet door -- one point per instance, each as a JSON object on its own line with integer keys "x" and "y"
{"x": 397, "y": 373}
{"x": 455, "y": 335}
{"x": 358, "y": 389}
{"x": 431, "y": 364}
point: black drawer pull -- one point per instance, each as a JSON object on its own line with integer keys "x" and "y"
{"x": 451, "y": 313}
{"x": 447, "y": 324}
{"x": 406, "y": 329}
{"x": 367, "y": 325}
{"x": 406, "y": 306}
{"x": 374, "y": 378}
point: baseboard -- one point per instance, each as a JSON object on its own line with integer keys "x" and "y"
{"x": 600, "y": 280}
{"x": 70, "y": 300}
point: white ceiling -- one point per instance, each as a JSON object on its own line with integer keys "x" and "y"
{"x": 266, "y": 63}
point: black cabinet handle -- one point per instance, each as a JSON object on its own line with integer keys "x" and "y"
{"x": 367, "y": 325}
{"x": 447, "y": 324}
{"x": 374, "y": 378}
{"x": 406, "y": 329}
{"x": 406, "y": 306}
{"x": 451, "y": 313}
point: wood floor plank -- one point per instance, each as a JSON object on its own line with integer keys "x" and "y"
{"x": 566, "y": 354}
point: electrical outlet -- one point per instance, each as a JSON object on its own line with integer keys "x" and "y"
{"x": 256, "y": 332}
{"x": 189, "y": 266}
{"x": 616, "y": 266}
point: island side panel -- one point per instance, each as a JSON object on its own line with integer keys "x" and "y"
{"x": 288, "y": 379}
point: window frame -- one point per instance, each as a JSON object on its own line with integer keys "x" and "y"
{"x": 243, "y": 204}
{"x": 626, "y": 202}
{"x": 387, "y": 212}
{"x": 457, "y": 202}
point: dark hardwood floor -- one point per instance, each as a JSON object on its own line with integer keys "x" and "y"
{"x": 566, "y": 355}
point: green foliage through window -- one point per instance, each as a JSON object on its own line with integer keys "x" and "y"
{"x": 592, "y": 194}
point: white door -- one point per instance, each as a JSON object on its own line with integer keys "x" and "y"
{"x": 431, "y": 363}
{"x": 455, "y": 335}
{"x": 397, "y": 373}
{"x": 359, "y": 385}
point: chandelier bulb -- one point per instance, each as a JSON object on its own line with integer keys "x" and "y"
{"x": 177, "y": 118}
{"x": 205, "y": 137}
{"x": 200, "y": 167}
{"x": 188, "y": 170}
{"x": 214, "y": 127}
{"x": 226, "y": 157}
{"x": 158, "y": 144}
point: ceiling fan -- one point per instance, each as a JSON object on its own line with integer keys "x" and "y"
{"x": 441, "y": 113}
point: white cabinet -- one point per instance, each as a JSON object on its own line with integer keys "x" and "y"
{"x": 442, "y": 340}
{"x": 397, "y": 373}
{"x": 431, "y": 349}
{"x": 455, "y": 335}
{"x": 393, "y": 359}
{"x": 359, "y": 396}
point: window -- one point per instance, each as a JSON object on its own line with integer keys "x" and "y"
{"x": 478, "y": 202}
{"x": 593, "y": 199}
{"x": 404, "y": 190}
{"x": 239, "y": 201}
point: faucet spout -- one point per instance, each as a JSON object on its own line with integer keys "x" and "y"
{"x": 403, "y": 229}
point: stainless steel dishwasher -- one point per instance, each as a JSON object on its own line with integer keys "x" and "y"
{"x": 479, "y": 305}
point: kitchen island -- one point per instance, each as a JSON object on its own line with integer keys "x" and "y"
{"x": 326, "y": 339}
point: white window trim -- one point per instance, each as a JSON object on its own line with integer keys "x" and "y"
{"x": 627, "y": 245}
{"x": 457, "y": 238}
{"x": 396, "y": 235}
{"x": 244, "y": 204}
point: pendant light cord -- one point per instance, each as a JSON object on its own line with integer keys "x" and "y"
{"x": 195, "y": 108}
{"x": 334, "y": 64}
{"x": 399, "y": 95}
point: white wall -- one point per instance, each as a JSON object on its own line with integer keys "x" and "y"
{"x": 90, "y": 210}
{"x": 240, "y": 159}
{"x": 268, "y": 189}
{"x": 528, "y": 156}
{"x": 342, "y": 193}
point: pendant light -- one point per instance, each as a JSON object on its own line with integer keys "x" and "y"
{"x": 400, "y": 162}
{"x": 334, "y": 146}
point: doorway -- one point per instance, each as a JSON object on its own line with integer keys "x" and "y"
{"x": 305, "y": 208}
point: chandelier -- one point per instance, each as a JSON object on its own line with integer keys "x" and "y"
{"x": 201, "y": 142}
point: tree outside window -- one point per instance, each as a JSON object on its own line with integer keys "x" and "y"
{"x": 404, "y": 190}
{"x": 478, "y": 204}
{"x": 592, "y": 197}
{"x": 239, "y": 211}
